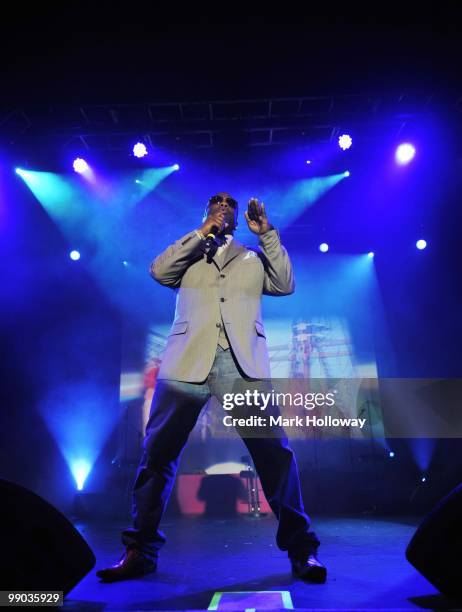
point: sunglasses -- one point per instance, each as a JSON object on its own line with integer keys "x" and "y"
{"x": 217, "y": 199}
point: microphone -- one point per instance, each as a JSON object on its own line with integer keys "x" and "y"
{"x": 213, "y": 232}
{"x": 211, "y": 245}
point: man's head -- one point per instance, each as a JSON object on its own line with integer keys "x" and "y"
{"x": 223, "y": 201}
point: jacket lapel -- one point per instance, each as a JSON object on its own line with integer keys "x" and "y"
{"x": 234, "y": 249}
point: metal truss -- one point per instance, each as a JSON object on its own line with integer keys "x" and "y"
{"x": 207, "y": 124}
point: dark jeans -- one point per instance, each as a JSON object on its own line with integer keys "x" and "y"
{"x": 174, "y": 412}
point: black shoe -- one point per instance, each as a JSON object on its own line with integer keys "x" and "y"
{"x": 132, "y": 564}
{"x": 310, "y": 568}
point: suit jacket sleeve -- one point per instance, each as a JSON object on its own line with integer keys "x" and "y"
{"x": 168, "y": 267}
{"x": 279, "y": 275}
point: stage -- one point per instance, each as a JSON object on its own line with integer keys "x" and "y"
{"x": 365, "y": 560}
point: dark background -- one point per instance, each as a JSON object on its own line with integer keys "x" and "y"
{"x": 104, "y": 52}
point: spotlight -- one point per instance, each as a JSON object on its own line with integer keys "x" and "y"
{"x": 404, "y": 153}
{"x": 391, "y": 454}
{"x": 421, "y": 244}
{"x": 345, "y": 141}
{"x": 139, "y": 150}
{"x": 125, "y": 263}
{"x": 74, "y": 255}
{"x": 308, "y": 161}
{"x": 370, "y": 254}
{"x": 20, "y": 171}
{"x": 423, "y": 479}
{"x": 80, "y": 165}
{"x": 138, "y": 182}
{"x": 347, "y": 173}
{"x": 324, "y": 247}
{"x": 176, "y": 167}
{"x": 80, "y": 470}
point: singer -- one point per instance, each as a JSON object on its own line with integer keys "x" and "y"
{"x": 217, "y": 337}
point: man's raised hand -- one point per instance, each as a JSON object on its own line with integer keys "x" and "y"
{"x": 256, "y": 218}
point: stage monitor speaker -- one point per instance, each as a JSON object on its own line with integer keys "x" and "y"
{"x": 435, "y": 549}
{"x": 40, "y": 549}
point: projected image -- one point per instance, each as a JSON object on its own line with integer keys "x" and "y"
{"x": 319, "y": 349}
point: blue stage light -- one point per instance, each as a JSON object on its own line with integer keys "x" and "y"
{"x": 80, "y": 470}
{"x": 176, "y": 167}
{"x": 324, "y": 247}
{"x": 74, "y": 255}
{"x": 345, "y": 141}
{"x": 140, "y": 150}
{"x": 404, "y": 153}
{"x": 423, "y": 479}
{"x": 346, "y": 173}
{"x": 308, "y": 161}
{"x": 80, "y": 165}
{"x": 371, "y": 254}
{"x": 391, "y": 454}
{"x": 421, "y": 244}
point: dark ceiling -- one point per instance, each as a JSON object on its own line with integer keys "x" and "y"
{"x": 130, "y": 52}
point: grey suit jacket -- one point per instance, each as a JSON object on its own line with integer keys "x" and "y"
{"x": 229, "y": 289}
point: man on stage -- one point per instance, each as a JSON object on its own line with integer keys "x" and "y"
{"x": 217, "y": 339}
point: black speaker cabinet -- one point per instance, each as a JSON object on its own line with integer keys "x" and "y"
{"x": 435, "y": 550}
{"x": 41, "y": 549}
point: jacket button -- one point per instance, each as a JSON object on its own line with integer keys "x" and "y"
{"x": 222, "y": 299}
{"x": 217, "y": 324}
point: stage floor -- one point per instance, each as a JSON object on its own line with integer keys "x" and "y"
{"x": 365, "y": 560}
